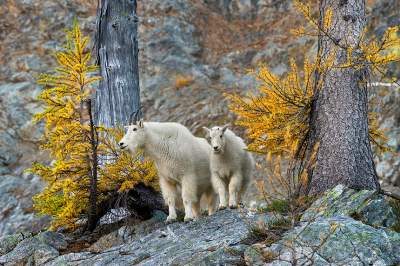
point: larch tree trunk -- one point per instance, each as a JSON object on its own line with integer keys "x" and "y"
{"x": 117, "y": 45}
{"x": 92, "y": 214}
{"x": 339, "y": 118}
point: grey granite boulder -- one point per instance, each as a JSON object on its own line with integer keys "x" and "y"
{"x": 9, "y": 242}
{"x": 36, "y": 250}
{"x": 336, "y": 241}
{"x": 343, "y": 227}
{"x": 365, "y": 205}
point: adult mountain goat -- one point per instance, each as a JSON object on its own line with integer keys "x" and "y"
{"x": 182, "y": 161}
{"x": 231, "y": 165}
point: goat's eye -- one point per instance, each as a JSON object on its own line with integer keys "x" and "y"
{"x": 134, "y": 129}
{"x": 220, "y": 136}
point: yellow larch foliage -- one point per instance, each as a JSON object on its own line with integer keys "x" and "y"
{"x": 67, "y": 138}
{"x": 379, "y": 53}
{"x": 376, "y": 135}
{"x": 374, "y": 53}
{"x": 122, "y": 170}
{"x": 277, "y": 117}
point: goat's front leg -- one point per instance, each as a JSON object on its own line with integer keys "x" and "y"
{"x": 220, "y": 187}
{"x": 170, "y": 194}
{"x": 235, "y": 188}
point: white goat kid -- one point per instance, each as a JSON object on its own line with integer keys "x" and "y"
{"x": 231, "y": 165}
{"x": 182, "y": 162}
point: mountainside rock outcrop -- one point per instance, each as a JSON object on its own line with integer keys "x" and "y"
{"x": 191, "y": 52}
{"x": 343, "y": 227}
{"x": 219, "y": 239}
{"x": 334, "y": 230}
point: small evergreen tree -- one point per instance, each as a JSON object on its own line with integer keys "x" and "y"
{"x": 75, "y": 182}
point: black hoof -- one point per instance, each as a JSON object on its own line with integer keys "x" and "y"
{"x": 220, "y": 208}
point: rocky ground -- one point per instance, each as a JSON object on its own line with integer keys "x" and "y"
{"x": 191, "y": 52}
{"x": 344, "y": 227}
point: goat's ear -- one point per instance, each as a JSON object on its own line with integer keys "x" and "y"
{"x": 224, "y": 128}
{"x": 140, "y": 123}
{"x": 206, "y": 130}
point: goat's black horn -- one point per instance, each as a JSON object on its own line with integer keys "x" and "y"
{"x": 138, "y": 114}
{"x": 131, "y": 118}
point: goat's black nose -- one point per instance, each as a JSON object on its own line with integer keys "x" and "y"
{"x": 215, "y": 148}
{"x": 121, "y": 144}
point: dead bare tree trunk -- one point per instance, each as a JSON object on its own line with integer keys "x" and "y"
{"x": 117, "y": 53}
{"x": 118, "y": 95}
{"x": 339, "y": 121}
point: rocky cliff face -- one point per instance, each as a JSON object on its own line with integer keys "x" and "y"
{"x": 191, "y": 52}
{"x": 29, "y": 33}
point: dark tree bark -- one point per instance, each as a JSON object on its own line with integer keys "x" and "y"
{"x": 117, "y": 46}
{"x": 92, "y": 213}
{"x": 339, "y": 122}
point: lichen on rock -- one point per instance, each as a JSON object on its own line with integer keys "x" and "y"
{"x": 368, "y": 206}
{"x": 350, "y": 243}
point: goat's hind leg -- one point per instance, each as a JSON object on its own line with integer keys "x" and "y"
{"x": 211, "y": 202}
